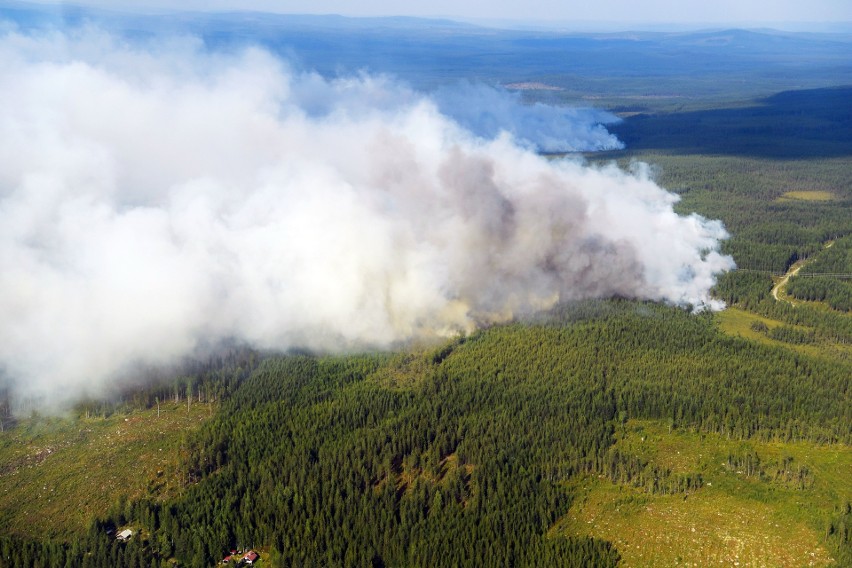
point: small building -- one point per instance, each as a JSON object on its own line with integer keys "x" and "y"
{"x": 226, "y": 559}
{"x": 124, "y": 535}
{"x": 250, "y": 557}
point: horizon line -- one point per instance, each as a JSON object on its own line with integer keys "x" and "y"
{"x": 519, "y": 24}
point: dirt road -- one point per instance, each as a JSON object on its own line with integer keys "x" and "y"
{"x": 783, "y": 282}
{"x": 794, "y": 269}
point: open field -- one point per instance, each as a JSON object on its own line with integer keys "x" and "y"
{"x": 738, "y": 322}
{"x": 736, "y": 519}
{"x": 806, "y": 196}
{"x": 712, "y": 528}
{"x": 57, "y": 474}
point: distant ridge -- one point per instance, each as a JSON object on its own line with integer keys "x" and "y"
{"x": 631, "y": 66}
{"x": 841, "y": 31}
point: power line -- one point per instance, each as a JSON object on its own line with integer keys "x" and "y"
{"x": 838, "y": 275}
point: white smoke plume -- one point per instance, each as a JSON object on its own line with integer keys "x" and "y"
{"x": 485, "y": 111}
{"x": 154, "y": 200}
{"x": 488, "y": 111}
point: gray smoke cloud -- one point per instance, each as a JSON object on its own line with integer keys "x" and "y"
{"x": 153, "y": 200}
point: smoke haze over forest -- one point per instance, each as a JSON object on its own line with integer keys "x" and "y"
{"x": 155, "y": 199}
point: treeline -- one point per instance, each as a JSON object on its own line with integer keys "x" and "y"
{"x": 632, "y": 470}
{"x": 785, "y": 333}
{"x": 7, "y": 418}
{"x": 211, "y": 378}
{"x": 751, "y": 290}
{"x": 790, "y": 334}
{"x": 95, "y": 550}
{"x": 839, "y": 533}
{"x": 835, "y": 259}
{"x": 786, "y": 472}
{"x": 789, "y": 125}
{"x": 835, "y": 293}
{"x": 745, "y": 289}
{"x": 827, "y": 278}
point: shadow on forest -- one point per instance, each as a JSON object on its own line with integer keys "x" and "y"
{"x": 814, "y": 123}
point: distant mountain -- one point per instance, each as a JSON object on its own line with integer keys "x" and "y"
{"x": 430, "y": 52}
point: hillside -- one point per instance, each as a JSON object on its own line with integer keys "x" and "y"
{"x": 59, "y": 473}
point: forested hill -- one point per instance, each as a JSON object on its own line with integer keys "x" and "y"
{"x": 466, "y": 454}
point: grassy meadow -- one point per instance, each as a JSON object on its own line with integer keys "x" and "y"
{"x": 736, "y": 519}
{"x": 57, "y": 474}
{"x": 806, "y": 196}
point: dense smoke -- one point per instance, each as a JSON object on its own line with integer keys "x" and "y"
{"x": 154, "y": 200}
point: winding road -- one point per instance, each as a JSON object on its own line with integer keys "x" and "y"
{"x": 783, "y": 282}
{"x": 794, "y": 269}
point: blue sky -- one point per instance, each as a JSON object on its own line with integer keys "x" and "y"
{"x": 743, "y": 12}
